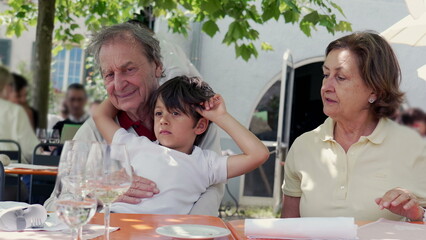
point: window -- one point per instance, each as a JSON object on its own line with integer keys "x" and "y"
{"x": 67, "y": 68}
{"x": 5, "y": 48}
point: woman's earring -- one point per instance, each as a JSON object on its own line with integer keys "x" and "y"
{"x": 371, "y": 100}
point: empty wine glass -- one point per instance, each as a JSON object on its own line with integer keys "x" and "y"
{"x": 41, "y": 134}
{"x": 75, "y": 205}
{"x": 55, "y": 137}
{"x": 110, "y": 175}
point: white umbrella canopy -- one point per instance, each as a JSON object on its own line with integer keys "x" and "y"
{"x": 408, "y": 31}
{"x": 421, "y": 72}
{"x": 416, "y": 7}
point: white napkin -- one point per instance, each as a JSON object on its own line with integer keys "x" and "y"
{"x": 8, "y": 216}
{"x": 387, "y": 229}
{"x": 302, "y": 228}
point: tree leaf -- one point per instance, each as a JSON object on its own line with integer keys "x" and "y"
{"x": 210, "y": 27}
{"x": 266, "y": 46}
{"x": 20, "y": 15}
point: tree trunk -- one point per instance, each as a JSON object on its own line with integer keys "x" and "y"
{"x": 43, "y": 57}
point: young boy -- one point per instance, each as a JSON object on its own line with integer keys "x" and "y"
{"x": 183, "y": 108}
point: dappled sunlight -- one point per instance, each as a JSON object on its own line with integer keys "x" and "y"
{"x": 331, "y": 160}
{"x": 142, "y": 227}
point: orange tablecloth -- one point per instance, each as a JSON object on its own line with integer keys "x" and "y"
{"x": 142, "y": 226}
{"x": 26, "y": 171}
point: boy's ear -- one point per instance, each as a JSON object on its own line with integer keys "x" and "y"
{"x": 201, "y": 126}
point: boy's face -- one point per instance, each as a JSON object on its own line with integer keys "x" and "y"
{"x": 175, "y": 129}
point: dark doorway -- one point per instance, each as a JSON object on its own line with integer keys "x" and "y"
{"x": 307, "y": 111}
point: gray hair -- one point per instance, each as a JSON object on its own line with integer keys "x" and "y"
{"x": 140, "y": 34}
{"x": 5, "y": 77}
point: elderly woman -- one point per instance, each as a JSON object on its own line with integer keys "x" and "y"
{"x": 358, "y": 163}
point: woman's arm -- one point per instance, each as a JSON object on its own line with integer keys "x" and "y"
{"x": 290, "y": 207}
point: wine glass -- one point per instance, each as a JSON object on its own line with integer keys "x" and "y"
{"x": 75, "y": 205}
{"x": 55, "y": 137}
{"x": 41, "y": 134}
{"x": 110, "y": 175}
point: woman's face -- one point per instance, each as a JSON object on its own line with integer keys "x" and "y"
{"x": 344, "y": 94}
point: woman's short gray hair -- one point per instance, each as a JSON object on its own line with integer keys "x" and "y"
{"x": 140, "y": 34}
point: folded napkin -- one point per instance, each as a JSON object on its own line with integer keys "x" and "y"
{"x": 11, "y": 212}
{"x": 301, "y": 228}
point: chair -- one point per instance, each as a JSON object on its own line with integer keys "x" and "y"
{"x": 42, "y": 186}
{"x": 13, "y": 155}
{"x": 2, "y": 179}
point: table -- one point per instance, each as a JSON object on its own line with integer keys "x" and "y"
{"x": 142, "y": 226}
{"x": 26, "y": 171}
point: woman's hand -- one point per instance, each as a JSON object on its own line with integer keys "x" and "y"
{"x": 400, "y": 201}
{"x": 141, "y": 188}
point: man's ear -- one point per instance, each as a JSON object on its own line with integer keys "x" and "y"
{"x": 158, "y": 70}
{"x": 201, "y": 126}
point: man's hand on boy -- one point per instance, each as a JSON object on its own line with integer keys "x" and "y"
{"x": 141, "y": 188}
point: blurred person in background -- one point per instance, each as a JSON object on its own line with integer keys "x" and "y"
{"x": 18, "y": 95}
{"x": 415, "y": 118}
{"x": 14, "y": 125}
{"x": 14, "y": 122}
{"x": 75, "y": 102}
{"x": 52, "y": 119}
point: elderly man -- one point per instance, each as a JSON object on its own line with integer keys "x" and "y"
{"x": 129, "y": 59}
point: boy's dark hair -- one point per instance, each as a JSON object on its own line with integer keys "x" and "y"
{"x": 184, "y": 94}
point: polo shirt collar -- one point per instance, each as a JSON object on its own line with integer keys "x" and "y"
{"x": 377, "y": 136}
{"x": 126, "y": 122}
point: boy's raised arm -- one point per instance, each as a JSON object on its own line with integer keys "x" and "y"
{"x": 104, "y": 120}
{"x": 254, "y": 151}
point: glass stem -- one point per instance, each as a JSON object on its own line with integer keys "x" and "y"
{"x": 107, "y": 207}
{"x": 80, "y": 233}
{"x": 77, "y": 233}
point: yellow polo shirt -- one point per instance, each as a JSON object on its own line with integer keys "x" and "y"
{"x": 331, "y": 182}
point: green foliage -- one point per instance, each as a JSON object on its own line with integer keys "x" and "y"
{"x": 244, "y": 15}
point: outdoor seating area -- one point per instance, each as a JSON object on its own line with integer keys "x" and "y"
{"x": 213, "y": 119}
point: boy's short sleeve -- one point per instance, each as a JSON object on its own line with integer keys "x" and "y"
{"x": 121, "y": 136}
{"x": 217, "y": 164}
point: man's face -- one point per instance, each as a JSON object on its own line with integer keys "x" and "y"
{"x": 76, "y": 100}
{"x": 129, "y": 77}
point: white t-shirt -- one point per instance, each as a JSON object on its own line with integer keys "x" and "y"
{"x": 181, "y": 178}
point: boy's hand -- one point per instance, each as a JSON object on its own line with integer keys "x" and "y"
{"x": 106, "y": 109}
{"x": 213, "y": 108}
